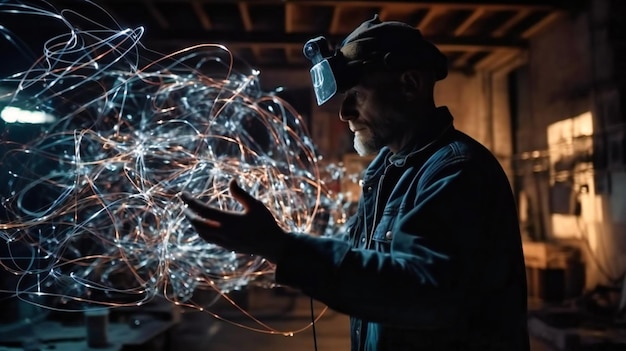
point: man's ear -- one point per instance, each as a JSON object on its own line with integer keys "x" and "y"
{"x": 415, "y": 84}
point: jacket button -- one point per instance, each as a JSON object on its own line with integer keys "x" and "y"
{"x": 369, "y": 188}
{"x": 363, "y": 240}
{"x": 388, "y": 235}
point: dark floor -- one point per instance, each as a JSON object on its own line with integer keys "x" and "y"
{"x": 283, "y": 323}
{"x": 199, "y": 331}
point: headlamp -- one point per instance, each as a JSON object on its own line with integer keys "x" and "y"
{"x": 332, "y": 72}
{"x": 324, "y": 82}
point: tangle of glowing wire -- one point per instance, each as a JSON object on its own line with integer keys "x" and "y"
{"x": 91, "y": 213}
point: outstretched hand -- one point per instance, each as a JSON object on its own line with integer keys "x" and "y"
{"x": 253, "y": 231}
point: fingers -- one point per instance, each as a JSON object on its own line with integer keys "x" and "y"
{"x": 241, "y": 195}
{"x": 207, "y": 229}
{"x": 199, "y": 207}
{"x": 200, "y": 210}
{"x": 199, "y": 221}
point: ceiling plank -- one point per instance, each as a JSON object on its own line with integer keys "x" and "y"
{"x": 158, "y": 16}
{"x": 495, "y": 5}
{"x": 383, "y": 14}
{"x": 489, "y": 5}
{"x": 496, "y": 58}
{"x": 290, "y": 12}
{"x": 290, "y": 16}
{"x": 461, "y": 61}
{"x": 501, "y": 5}
{"x": 460, "y": 41}
{"x": 336, "y": 21}
{"x": 202, "y": 16}
{"x": 244, "y": 11}
{"x": 395, "y": 12}
{"x": 508, "y": 66}
{"x": 433, "y": 12}
{"x": 271, "y": 40}
{"x": 544, "y": 22}
{"x": 504, "y": 28}
{"x": 476, "y": 14}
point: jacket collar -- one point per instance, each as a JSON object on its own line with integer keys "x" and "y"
{"x": 441, "y": 124}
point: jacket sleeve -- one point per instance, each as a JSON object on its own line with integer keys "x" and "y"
{"x": 424, "y": 280}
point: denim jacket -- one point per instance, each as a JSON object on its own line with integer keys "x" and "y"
{"x": 434, "y": 257}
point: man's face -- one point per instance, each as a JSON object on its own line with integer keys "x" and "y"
{"x": 372, "y": 109}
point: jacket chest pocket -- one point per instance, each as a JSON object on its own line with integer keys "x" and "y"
{"x": 383, "y": 235}
{"x": 351, "y": 229}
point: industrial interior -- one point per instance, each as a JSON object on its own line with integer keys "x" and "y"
{"x": 540, "y": 83}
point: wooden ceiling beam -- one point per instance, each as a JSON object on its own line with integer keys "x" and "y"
{"x": 476, "y": 14}
{"x": 392, "y": 12}
{"x": 544, "y": 22}
{"x": 489, "y": 5}
{"x": 158, "y": 16}
{"x": 271, "y": 40}
{"x": 433, "y": 12}
{"x": 496, "y": 58}
{"x": 290, "y": 15}
{"x": 496, "y": 5}
{"x": 336, "y": 20}
{"x": 508, "y": 66}
{"x": 461, "y": 61}
{"x": 383, "y": 14}
{"x": 515, "y": 19}
{"x": 202, "y": 15}
{"x": 244, "y": 12}
{"x": 290, "y": 22}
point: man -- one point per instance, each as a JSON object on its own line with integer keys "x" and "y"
{"x": 434, "y": 260}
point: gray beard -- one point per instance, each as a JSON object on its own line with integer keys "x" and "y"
{"x": 365, "y": 148}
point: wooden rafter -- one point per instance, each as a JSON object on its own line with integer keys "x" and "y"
{"x": 504, "y": 28}
{"x": 383, "y": 14}
{"x": 463, "y": 41}
{"x": 433, "y": 12}
{"x": 158, "y": 16}
{"x": 476, "y": 14}
{"x": 544, "y": 22}
{"x": 271, "y": 40}
{"x": 496, "y": 58}
{"x": 490, "y": 6}
{"x": 245, "y": 16}
{"x": 502, "y": 5}
{"x": 461, "y": 61}
{"x": 290, "y": 15}
{"x": 202, "y": 16}
{"x": 508, "y": 66}
{"x": 388, "y": 11}
{"x": 244, "y": 11}
{"x": 336, "y": 21}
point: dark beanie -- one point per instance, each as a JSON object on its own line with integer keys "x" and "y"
{"x": 401, "y": 45}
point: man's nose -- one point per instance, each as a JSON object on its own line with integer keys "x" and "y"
{"x": 348, "y": 109}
